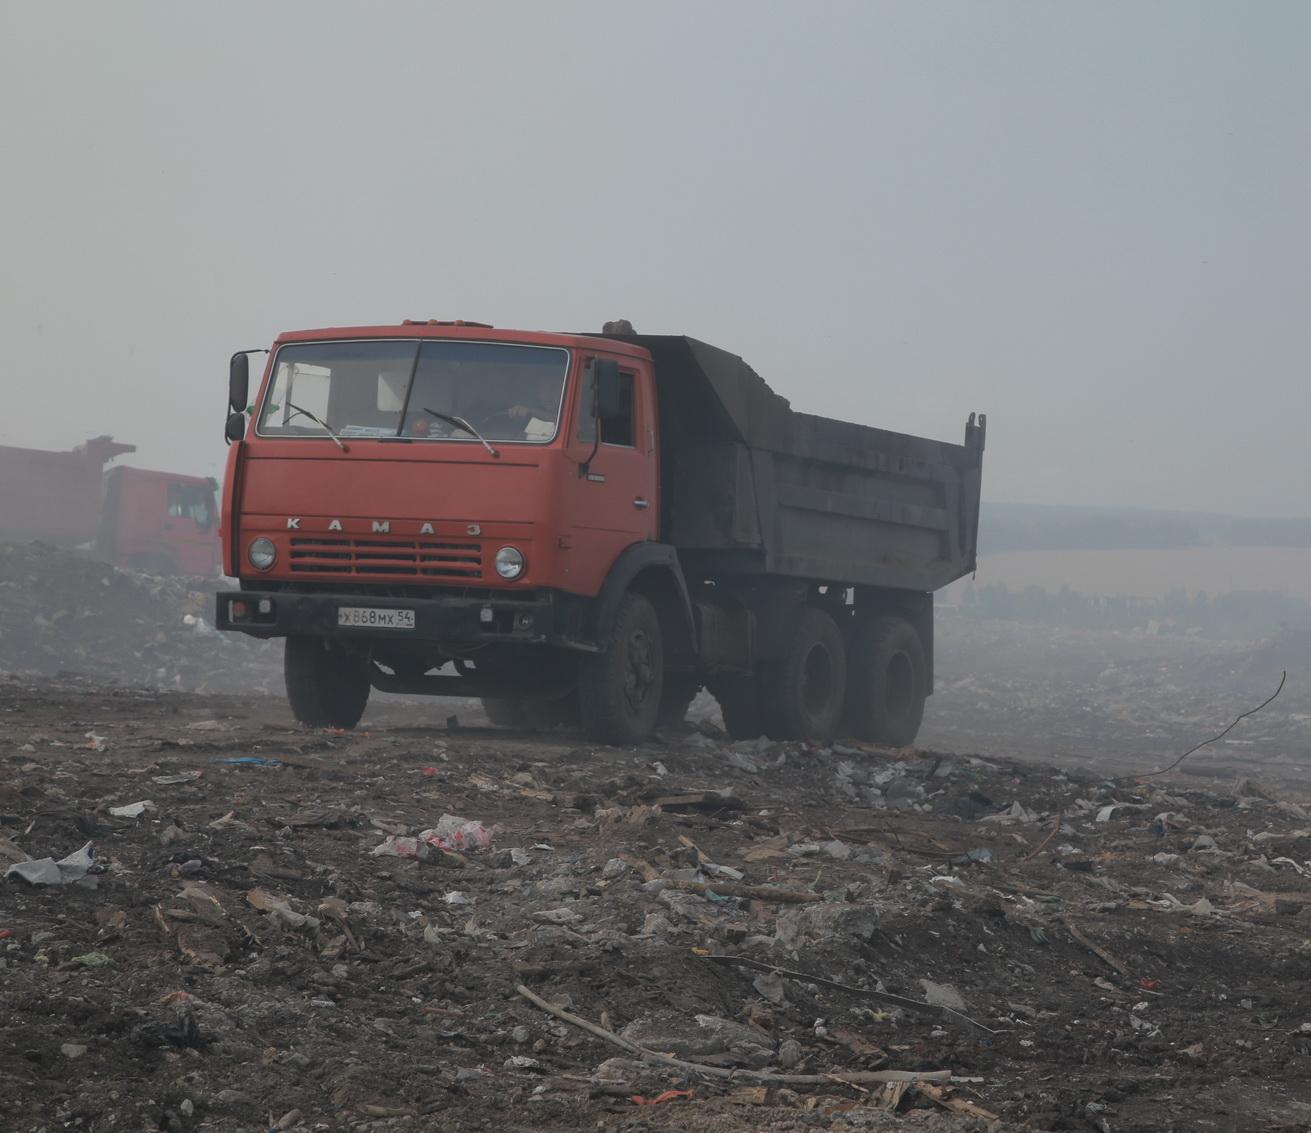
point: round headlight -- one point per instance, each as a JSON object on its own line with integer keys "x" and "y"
{"x": 509, "y": 562}
{"x": 261, "y": 553}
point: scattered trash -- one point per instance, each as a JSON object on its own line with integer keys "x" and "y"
{"x": 661, "y": 1098}
{"x": 72, "y": 870}
{"x": 1016, "y": 814}
{"x": 180, "y": 777}
{"x": 132, "y": 810}
{"x": 980, "y": 856}
{"x": 452, "y": 834}
{"x": 280, "y": 908}
{"x": 92, "y": 960}
{"x": 942, "y": 995}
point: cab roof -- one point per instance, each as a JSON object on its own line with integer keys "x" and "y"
{"x": 459, "y": 329}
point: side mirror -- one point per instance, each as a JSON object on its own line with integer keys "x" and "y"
{"x": 235, "y": 429}
{"x": 238, "y": 383}
{"x": 610, "y": 401}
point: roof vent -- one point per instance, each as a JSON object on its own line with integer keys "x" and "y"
{"x": 443, "y": 323}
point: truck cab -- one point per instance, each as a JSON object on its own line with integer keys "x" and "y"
{"x": 161, "y": 522}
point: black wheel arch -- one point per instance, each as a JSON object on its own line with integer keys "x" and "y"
{"x": 652, "y": 570}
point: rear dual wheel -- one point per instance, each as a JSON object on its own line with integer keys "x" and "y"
{"x": 889, "y": 682}
{"x": 802, "y": 695}
{"x": 799, "y": 696}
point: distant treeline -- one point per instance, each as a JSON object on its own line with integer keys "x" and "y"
{"x": 1245, "y": 614}
{"x": 1023, "y": 527}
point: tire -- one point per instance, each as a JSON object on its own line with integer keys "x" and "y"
{"x": 802, "y": 695}
{"x": 327, "y": 687}
{"x": 889, "y": 682}
{"x": 739, "y": 703}
{"x": 679, "y": 692}
{"x": 619, "y": 689}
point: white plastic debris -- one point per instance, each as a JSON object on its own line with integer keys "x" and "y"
{"x": 942, "y": 995}
{"x": 452, "y": 834}
{"x": 47, "y": 871}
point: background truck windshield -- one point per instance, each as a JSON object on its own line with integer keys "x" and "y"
{"x": 386, "y": 388}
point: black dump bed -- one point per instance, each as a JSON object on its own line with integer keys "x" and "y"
{"x": 750, "y": 486}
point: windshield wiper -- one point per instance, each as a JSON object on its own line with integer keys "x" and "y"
{"x": 318, "y": 421}
{"x": 461, "y": 423}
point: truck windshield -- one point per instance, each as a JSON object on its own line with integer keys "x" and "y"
{"x": 402, "y": 388}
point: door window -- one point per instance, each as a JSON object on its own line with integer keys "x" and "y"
{"x": 616, "y": 430}
{"x": 191, "y": 501}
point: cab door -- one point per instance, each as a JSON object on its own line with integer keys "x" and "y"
{"x": 614, "y": 502}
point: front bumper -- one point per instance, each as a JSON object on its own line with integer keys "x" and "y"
{"x": 451, "y": 621}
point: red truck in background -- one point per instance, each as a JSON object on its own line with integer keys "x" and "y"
{"x": 161, "y": 522}
{"x": 588, "y": 528}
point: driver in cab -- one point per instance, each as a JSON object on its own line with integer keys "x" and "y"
{"x": 537, "y": 414}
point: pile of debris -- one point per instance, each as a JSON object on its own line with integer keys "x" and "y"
{"x": 60, "y": 612}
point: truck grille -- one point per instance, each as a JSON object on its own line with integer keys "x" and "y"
{"x": 420, "y": 558}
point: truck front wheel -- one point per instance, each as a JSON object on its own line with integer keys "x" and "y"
{"x": 889, "y": 682}
{"x": 619, "y": 688}
{"x": 803, "y": 693}
{"x": 327, "y": 687}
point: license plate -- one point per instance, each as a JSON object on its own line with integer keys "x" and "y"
{"x": 371, "y": 617}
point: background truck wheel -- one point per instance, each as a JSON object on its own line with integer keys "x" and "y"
{"x": 619, "y": 688}
{"x": 739, "y": 704}
{"x": 802, "y": 695}
{"x": 327, "y": 687}
{"x": 889, "y": 682}
{"x": 679, "y": 692}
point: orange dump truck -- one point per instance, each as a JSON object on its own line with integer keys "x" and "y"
{"x": 588, "y": 528}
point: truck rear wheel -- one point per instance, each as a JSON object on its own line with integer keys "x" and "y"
{"x": 889, "y": 682}
{"x": 327, "y": 687}
{"x": 802, "y": 695}
{"x": 619, "y": 689}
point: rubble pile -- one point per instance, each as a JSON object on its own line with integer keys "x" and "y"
{"x": 60, "y": 612}
{"x": 405, "y": 927}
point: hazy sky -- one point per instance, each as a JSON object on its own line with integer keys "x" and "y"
{"x": 1088, "y": 220}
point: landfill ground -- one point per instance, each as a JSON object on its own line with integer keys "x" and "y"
{"x": 1053, "y": 949}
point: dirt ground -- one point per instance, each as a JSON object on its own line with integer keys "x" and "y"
{"x": 245, "y": 961}
{"x": 1056, "y": 950}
